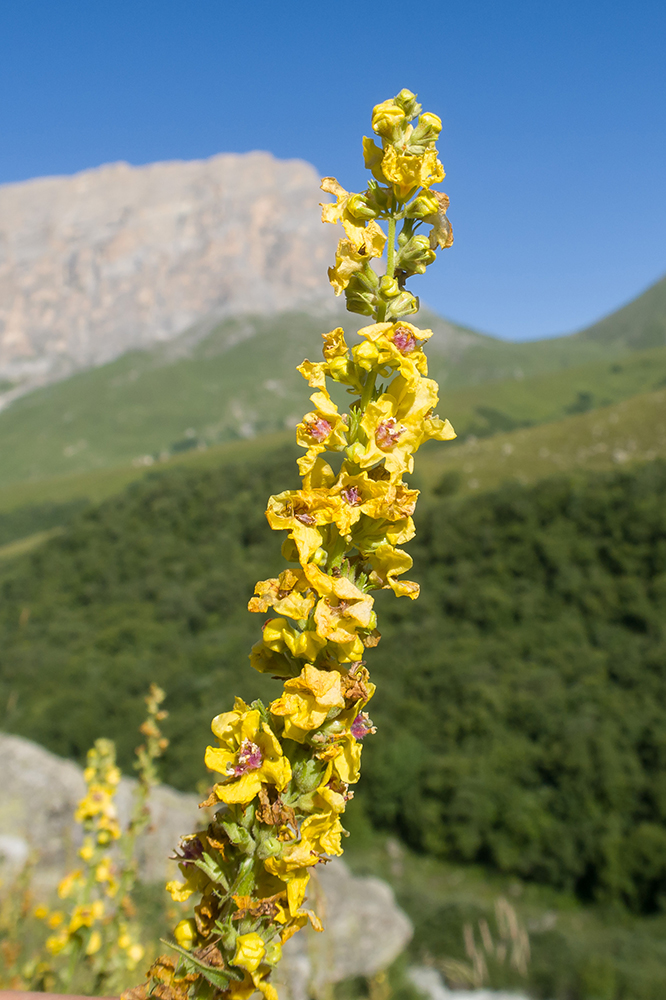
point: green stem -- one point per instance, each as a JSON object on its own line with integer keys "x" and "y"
{"x": 390, "y": 254}
{"x": 367, "y": 390}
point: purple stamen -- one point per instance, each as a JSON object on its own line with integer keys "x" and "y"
{"x": 404, "y": 340}
{"x": 388, "y": 433}
{"x": 248, "y": 758}
{"x": 352, "y": 496}
{"x": 319, "y": 429}
{"x": 362, "y": 726}
{"x": 191, "y": 851}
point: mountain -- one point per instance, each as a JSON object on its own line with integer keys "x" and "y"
{"x": 638, "y": 325}
{"x": 122, "y": 257}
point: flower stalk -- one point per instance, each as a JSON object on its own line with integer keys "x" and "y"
{"x": 285, "y": 771}
{"x": 94, "y": 931}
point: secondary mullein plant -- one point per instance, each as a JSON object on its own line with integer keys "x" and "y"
{"x": 95, "y": 939}
{"x": 285, "y": 770}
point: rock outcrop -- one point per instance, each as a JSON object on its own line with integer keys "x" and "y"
{"x": 365, "y": 929}
{"x": 121, "y": 257}
{"x": 38, "y": 795}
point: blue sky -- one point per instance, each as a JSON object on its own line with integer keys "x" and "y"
{"x": 554, "y": 121}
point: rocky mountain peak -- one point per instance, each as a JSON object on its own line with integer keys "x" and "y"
{"x": 122, "y": 257}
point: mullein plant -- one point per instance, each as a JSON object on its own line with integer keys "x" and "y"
{"x": 95, "y": 939}
{"x": 285, "y": 770}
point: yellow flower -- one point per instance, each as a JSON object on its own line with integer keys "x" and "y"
{"x": 285, "y": 594}
{"x": 335, "y": 345}
{"x": 396, "y": 345}
{"x": 346, "y": 762}
{"x": 349, "y": 258}
{"x": 94, "y": 943}
{"x": 342, "y": 609}
{"x": 41, "y": 912}
{"x": 250, "y": 983}
{"x": 249, "y": 755}
{"x": 372, "y": 157}
{"x": 387, "y": 563}
{"x": 85, "y": 914}
{"x": 134, "y": 955}
{"x": 323, "y": 429}
{"x": 308, "y": 700}
{"x": 388, "y": 119}
{"x": 98, "y": 803}
{"x": 407, "y": 171}
{"x": 195, "y": 881}
{"x": 399, "y": 421}
{"x": 379, "y": 499}
{"x": 55, "y": 919}
{"x": 185, "y": 933}
{"x": 322, "y": 833}
{"x": 250, "y": 951}
{"x": 280, "y": 635}
{"x": 441, "y": 234}
{"x": 103, "y": 871}
{"x": 68, "y": 883}
{"x": 87, "y": 849}
{"x": 57, "y": 942}
{"x": 366, "y": 240}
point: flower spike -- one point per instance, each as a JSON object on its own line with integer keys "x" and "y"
{"x": 284, "y": 771}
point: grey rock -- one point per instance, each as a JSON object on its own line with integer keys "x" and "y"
{"x": 123, "y": 257}
{"x": 364, "y": 931}
{"x": 430, "y": 985}
{"x": 38, "y": 795}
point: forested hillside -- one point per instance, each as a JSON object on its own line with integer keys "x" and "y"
{"x": 522, "y": 700}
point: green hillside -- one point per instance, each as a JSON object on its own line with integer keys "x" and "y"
{"x": 240, "y": 382}
{"x": 610, "y": 437}
{"x": 509, "y": 404}
{"x": 638, "y": 325}
{"x": 630, "y": 432}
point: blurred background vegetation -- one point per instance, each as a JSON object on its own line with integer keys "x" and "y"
{"x": 521, "y": 703}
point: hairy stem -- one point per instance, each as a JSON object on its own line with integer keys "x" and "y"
{"x": 390, "y": 252}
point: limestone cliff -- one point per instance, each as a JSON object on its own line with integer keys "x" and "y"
{"x": 121, "y": 256}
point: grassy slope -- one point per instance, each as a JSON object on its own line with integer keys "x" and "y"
{"x": 627, "y": 432}
{"x": 640, "y": 324}
{"x": 630, "y": 431}
{"x": 511, "y": 403}
{"x": 577, "y": 952}
{"x": 240, "y": 381}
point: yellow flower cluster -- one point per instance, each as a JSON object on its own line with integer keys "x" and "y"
{"x": 93, "y": 927}
{"x": 84, "y": 929}
{"x": 284, "y": 770}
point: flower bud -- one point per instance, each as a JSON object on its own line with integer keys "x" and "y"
{"x": 403, "y": 305}
{"x": 269, "y": 847}
{"x": 320, "y": 557}
{"x": 432, "y": 122}
{"x": 185, "y": 934}
{"x": 407, "y": 101}
{"x": 426, "y": 204}
{"x": 273, "y": 952}
{"x": 388, "y": 287}
{"x": 357, "y": 205}
{"x": 355, "y": 452}
{"x": 415, "y": 255}
{"x": 425, "y": 134}
{"x": 387, "y": 119}
{"x": 338, "y": 369}
{"x": 366, "y": 354}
